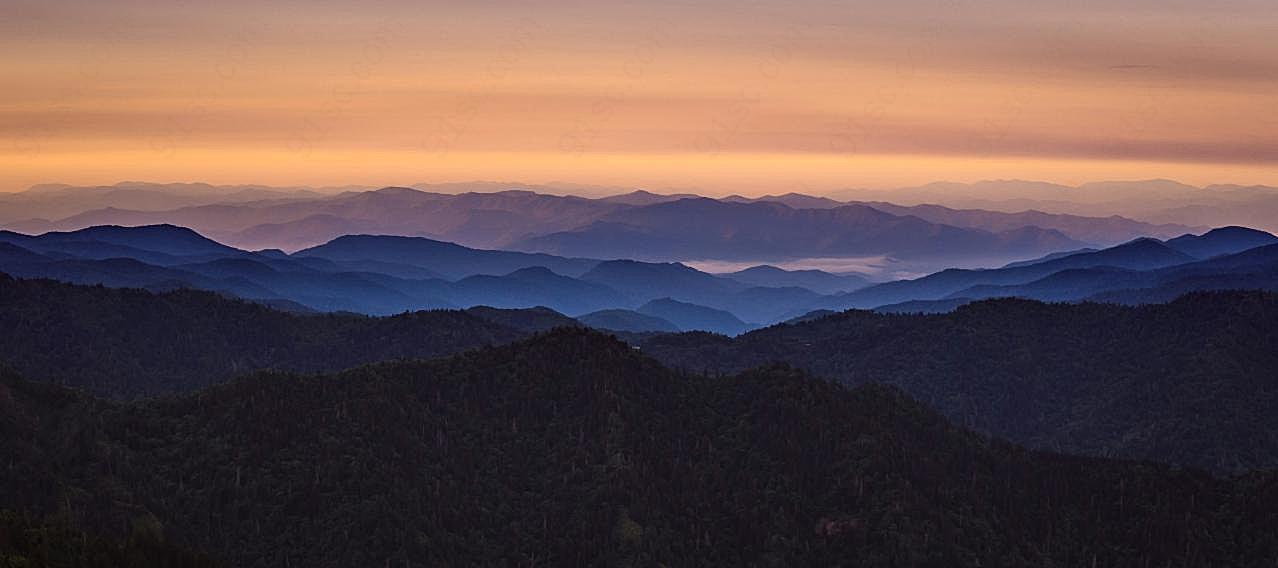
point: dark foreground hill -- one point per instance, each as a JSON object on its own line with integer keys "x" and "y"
{"x": 127, "y": 343}
{"x": 29, "y": 540}
{"x": 574, "y": 449}
{"x": 1192, "y": 382}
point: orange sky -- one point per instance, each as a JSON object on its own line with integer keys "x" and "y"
{"x": 727, "y": 97}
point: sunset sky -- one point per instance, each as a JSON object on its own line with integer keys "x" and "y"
{"x": 725, "y": 97}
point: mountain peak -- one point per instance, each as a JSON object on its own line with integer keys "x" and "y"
{"x": 164, "y": 238}
{"x": 370, "y": 238}
{"x": 396, "y": 190}
{"x": 1238, "y": 230}
{"x": 535, "y": 271}
{"x": 1221, "y": 240}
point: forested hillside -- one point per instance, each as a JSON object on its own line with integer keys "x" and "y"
{"x": 573, "y": 448}
{"x": 128, "y": 343}
{"x": 1190, "y": 382}
{"x": 27, "y": 540}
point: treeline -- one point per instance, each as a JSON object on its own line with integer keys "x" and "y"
{"x": 575, "y": 449}
{"x": 1191, "y": 382}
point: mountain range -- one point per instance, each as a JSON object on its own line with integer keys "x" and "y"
{"x": 1156, "y": 201}
{"x": 387, "y": 275}
{"x": 712, "y": 229}
{"x": 637, "y": 225}
{"x": 383, "y": 275}
{"x": 1224, "y": 258}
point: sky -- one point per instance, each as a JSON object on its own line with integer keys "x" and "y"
{"x": 725, "y": 97}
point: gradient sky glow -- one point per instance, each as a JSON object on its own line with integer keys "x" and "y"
{"x": 727, "y": 97}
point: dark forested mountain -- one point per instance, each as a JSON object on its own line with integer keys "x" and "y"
{"x": 28, "y": 539}
{"x": 575, "y": 449}
{"x": 711, "y": 229}
{"x": 920, "y": 307}
{"x": 527, "y": 320}
{"x": 1190, "y": 382}
{"x": 127, "y": 343}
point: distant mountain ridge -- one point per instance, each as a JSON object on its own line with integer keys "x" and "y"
{"x": 1142, "y": 263}
{"x": 382, "y": 275}
{"x": 389, "y": 274}
{"x": 449, "y": 259}
{"x": 495, "y": 215}
{"x": 1252, "y": 269}
{"x": 711, "y": 229}
{"x": 1157, "y": 201}
{"x": 816, "y": 280}
{"x": 1221, "y": 241}
{"x": 1096, "y": 230}
{"x": 685, "y": 315}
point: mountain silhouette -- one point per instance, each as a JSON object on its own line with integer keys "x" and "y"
{"x": 536, "y": 286}
{"x": 711, "y": 229}
{"x": 1253, "y": 269}
{"x": 162, "y": 239}
{"x": 1221, "y": 241}
{"x": 1139, "y": 254}
{"x": 383, "y": 275}
{"x": 448, "y": 259}
{"x": 1108, "y": 230}
{"x": 685, "y": 315}
{"x": 627, "y": 320}
{"x": 816, "y": 280}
